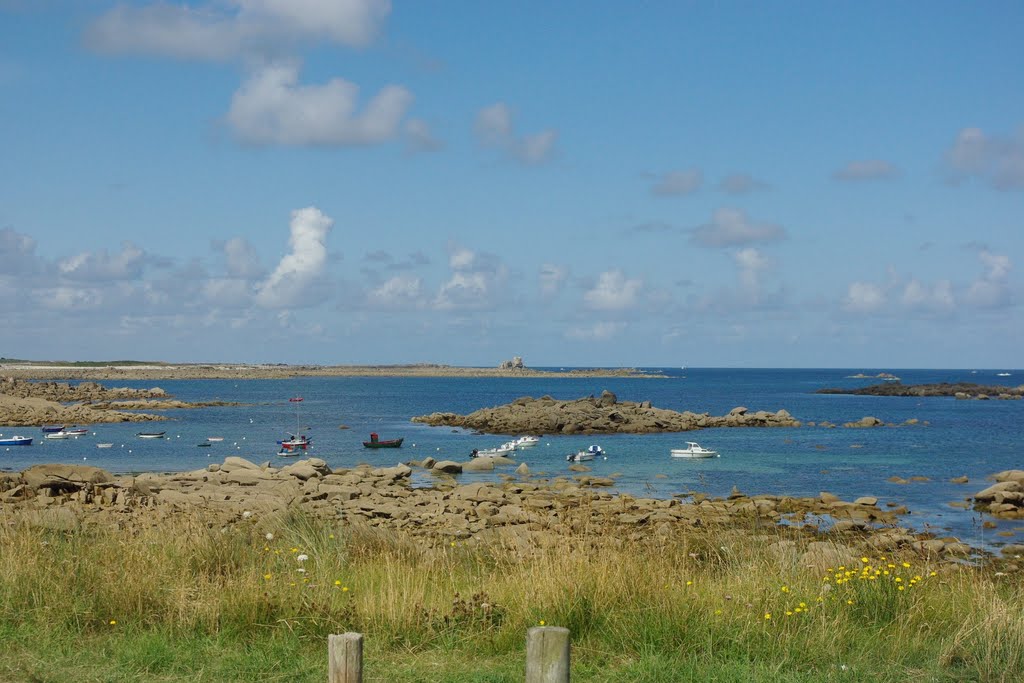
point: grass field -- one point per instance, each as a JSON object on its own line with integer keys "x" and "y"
{"x": 180, "y": 601}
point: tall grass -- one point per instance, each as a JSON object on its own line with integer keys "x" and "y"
{"x": 256, "y": 602}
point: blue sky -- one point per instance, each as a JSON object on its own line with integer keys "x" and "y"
{"x": 578, "y": 183}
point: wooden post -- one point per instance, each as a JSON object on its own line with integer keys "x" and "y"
{"x": 547, "y": 654}
{"x": 345, "y": 658}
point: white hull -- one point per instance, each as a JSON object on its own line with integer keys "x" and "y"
{"x": 579, "y": 457}
{"x": 693, "y": 450}
{"x": 682, "y": 453}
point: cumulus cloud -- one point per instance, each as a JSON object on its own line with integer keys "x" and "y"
{"x": 678, "y": 183}
{"x": 476, "y": 281}
{"x": 303, "y": 265}
{"x": 231, "y": 29}
{"x": 241, "y": 259}
{"x": 867, "y": 169}
{"x": 494, "y": 128}
{"x": 613, "y": 292}
{"x": 750, "y": 264}
{"x": 400, "y": 291}
{"x": 988, "y": 290}
{"x": 920, "y": 296}
{"x": 741, "y": 183}
{"x": 732, "y": 228}
{"x": 271, "y": 107}
{"x": 993, "y": 159}
{"x": 864, "y": 297}
{"x": 991, "y": 289}
{"x": 103, "y": 266}
{"x": 597, "y": 332}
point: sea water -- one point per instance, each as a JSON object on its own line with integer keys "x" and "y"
{"x": 951, "y": 438}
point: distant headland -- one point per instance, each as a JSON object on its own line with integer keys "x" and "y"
{"x": 155, "y": 370}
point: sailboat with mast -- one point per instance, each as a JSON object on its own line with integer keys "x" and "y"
{"x": 297, "y": 443}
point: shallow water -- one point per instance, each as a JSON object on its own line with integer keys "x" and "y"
{"x": 972, "y": 438}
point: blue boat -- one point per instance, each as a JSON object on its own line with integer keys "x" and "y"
{"x": 53, "y": 428}
{"x": 16, "y": 441}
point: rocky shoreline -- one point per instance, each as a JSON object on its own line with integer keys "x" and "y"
{"x": 960, "y": 390}
{"x": 32, "y": 404}
{"x": 598, "y": 415}
{"x": 525, "y": 511}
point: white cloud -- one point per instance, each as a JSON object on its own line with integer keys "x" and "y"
{"x": 750, "y": 263}
{"x": 494, "y": 128}
{"x": 460, "y": 258}
{"x": 231, "y": 29}
{"x": 300, "y": 268}
{"x": 242, "y": 260}
{"x": 596, "y": 332}
{"x": 864, "y": 297}
{"x": 272, "y": 108}
{"x": 867, "y": 169}
{"x": 401, "y": 291}
{"x": 732, "y": 228}
{"x": 476, "y": 283}
{"x": 613, "y": 292}
{"x": 463, "y": 290}
{"x": 991, "y": 289}
{"x": 995, "y": 160}
{"x": 494, "y": 123}
{"x": 937, "y": 298}
{"x": 678, "y": 183}
{"x": 102, "y": 265}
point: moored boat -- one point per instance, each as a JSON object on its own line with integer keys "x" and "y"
{"x": 579, "y": 456}
{"x": 53, "y": 428}
{"x": 58, "y": 435}
{"x": 76, "y": 431}
{"x": 151, "y": 435}
{"x": 375, "y": 442}
{"x": 16, "y": 441}
{"x": 502, "y": 451}
{"x": 104, "y": 445}
{"x": 694, "y": 450}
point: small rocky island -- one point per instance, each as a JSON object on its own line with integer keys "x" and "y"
{"x": 601, "y": 415}
{"x": 960, "y": 390}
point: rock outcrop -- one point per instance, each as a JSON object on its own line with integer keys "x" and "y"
{"x": 599, "y": 415}
{"x": 962, "y": 390}
{"x": 523, "y": 511}
{"x": 1005, "y": 498}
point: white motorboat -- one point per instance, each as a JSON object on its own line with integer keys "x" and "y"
{"x": 579, "y": 456}
{"x": 502, "y": 451}
{"x": 693, "y": 450}
{"x": 104, "y": 445}
{"x": 526, "y": 441}
{"x": 150, "y": 435}
{"x": 58, "y": 435}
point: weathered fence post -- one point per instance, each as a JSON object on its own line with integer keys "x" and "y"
{"x": 547, "y": 654}
{"x": 345, "y": 658}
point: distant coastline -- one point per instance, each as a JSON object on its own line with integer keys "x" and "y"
{"x": 157, "y": 371}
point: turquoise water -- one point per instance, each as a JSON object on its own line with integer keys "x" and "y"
{"x": 972, "y": 438}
